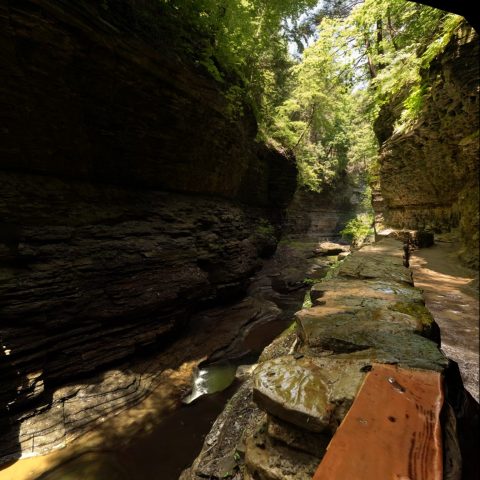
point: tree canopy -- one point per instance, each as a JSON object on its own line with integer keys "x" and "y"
{"x": 352, "y": 56}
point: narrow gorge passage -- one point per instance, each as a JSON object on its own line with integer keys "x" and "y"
{"x": 199, "y": 197}
{"x": 162, "y": 435}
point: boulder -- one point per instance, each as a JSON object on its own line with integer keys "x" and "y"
{"x": 331, "y": 249}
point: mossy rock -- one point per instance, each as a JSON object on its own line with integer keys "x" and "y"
{"x": 426, "y": 323}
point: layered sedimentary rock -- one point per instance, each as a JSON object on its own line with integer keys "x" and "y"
{"x": 324, "y": 214}
{"x": 429, "y": 173}
{"x": 278, "y": 426}
{"x": 87, "y": 94}
{"x": 130, "y": 196}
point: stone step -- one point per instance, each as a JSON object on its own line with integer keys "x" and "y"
{"x": 297, "y": 438}
{"x": 267, "y": 460}
{"x": 392, "y": 430}
{"x": 382, "y": 261}
{"x": 311, "y": 393}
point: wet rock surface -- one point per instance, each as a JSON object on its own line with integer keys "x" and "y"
{"x": 312, "y": 393}
{"x": 307, "y": 384}
{"x": 111, "y": 236}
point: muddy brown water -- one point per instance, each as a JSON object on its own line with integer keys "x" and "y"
{"x": 170, "y": 442}
{"x": 161, "y": 454}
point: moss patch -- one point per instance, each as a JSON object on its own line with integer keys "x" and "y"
{"x": 418, "y": 311}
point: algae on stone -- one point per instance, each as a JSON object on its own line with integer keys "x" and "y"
{"x": 312, "y": 393}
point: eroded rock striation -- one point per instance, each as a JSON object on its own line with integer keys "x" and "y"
{"x": 429, "y": 173}
{"x": 130, "y": 198}
{"x": 307, "y": 379}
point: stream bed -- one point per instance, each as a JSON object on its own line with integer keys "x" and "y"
{"x": 160, "y": 436}
{"x": 172, "y": 444}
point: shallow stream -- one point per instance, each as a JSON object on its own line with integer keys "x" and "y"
{"x": 161, "y": 436}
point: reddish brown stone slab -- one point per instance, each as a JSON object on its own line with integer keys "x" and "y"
{"x": 391, "y": 432}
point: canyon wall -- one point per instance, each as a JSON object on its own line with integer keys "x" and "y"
{"x": 130, "y": 195}
{"x": 429, "y": 173}
{"x": 323, "y": 215}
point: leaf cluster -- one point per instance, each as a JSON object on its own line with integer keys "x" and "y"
{"x": 322, "y": 105}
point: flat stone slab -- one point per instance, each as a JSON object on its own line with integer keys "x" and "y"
{"x": 392, "y": 430}
{"x": 311, "y": 393}
{"x": 354, "y": 292}
{"x": 386, "y": 335}
{"x": 382, "y": 260}
{"x": 380, "y": 297}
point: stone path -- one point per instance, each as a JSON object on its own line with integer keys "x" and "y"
{"x": 366, "y": 312}
{"x": 451, "y": 295}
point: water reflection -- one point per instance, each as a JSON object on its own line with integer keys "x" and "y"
{"x": 211, "y": 379}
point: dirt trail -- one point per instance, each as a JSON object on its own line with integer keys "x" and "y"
{"x": 451, "y": 294}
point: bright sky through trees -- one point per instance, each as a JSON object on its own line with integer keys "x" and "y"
{"x": 321, "y": 105}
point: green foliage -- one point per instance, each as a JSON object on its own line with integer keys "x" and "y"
{"x": 323, "y": 120}
{"x": 234, "y": 95}
{"x": 412, "y": 106}
{"x": 242, "y": 41}
{"x": 322, "y": 106}
{"x": 307, "y": 300}
{"x": 358, "y": 62}
{"x": 265, "y": 228}
{"x": 361, "y": 226}
{"x": 394, "y": 41}
{"x": 357, "y": 229}
{"x": 332, "y": 271}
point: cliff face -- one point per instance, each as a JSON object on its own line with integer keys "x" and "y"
{"x": 82, "y": 99}
{"x": 325, "y": 214}
{"x": 429, "y": 174}
{"x": 97, "y": 260}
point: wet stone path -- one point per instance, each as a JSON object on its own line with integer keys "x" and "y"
{"x": 365, "y": 313}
